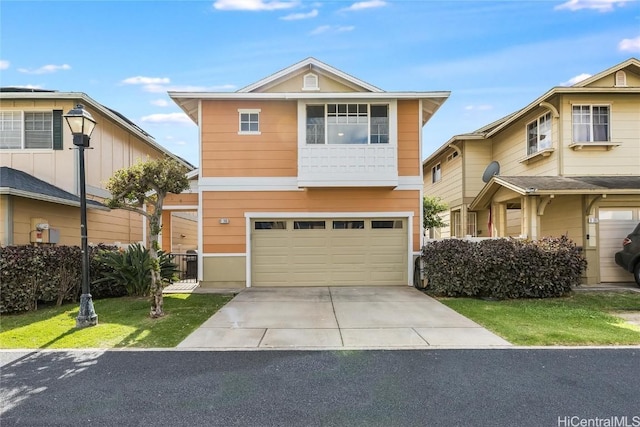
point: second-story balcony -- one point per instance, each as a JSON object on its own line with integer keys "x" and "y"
{"x": 348, "y": 165}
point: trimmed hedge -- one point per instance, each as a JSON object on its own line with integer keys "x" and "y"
{"x": 30, "y": 275}
{"x": 503, "y": 268}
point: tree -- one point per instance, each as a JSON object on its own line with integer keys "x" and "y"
{"x": 431, "y": 207}
{"x": 142, "y": 188}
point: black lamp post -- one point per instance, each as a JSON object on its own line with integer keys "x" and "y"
{"x": 82, "y": 124}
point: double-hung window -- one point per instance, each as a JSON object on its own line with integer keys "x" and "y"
{"x": 539, "y": 134}
{"x": 590, "y": 123}
{"x": 30, "y": 130}
{"x": 347, "y": 124}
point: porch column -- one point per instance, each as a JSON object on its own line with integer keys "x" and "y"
{"x": 530, "y": 218}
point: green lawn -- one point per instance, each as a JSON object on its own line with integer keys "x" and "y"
{"x": 580, "y": 319}
{"x": 122, "y": 322}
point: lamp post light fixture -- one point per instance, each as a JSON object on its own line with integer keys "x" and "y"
{"x": 82, "y": 124}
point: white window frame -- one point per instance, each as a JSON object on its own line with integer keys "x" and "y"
{"x": 590, "y": 124}
{"x": 543, "y": 130}
{"x": 249, "y": 111}
{"x": 23, "y": 136}
{"x": 391, "y": 130}
{"x": 436, "y": 173}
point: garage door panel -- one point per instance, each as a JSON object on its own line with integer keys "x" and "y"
{"x": 615, "y": 225}
{"x": 326, "y": 257}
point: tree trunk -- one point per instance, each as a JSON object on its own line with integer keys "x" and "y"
{"x": 157, "y": 303}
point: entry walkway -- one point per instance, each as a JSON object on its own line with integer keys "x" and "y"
{"x": 394, "y": 317}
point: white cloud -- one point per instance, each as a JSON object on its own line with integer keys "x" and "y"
{"x": 141, "y": 80}
{"x": 253, "y": 5}
{"x": 160, "y": 102}
{"x": 4, "y": 64}
{"x": 481, "y": 107}
{"x": 298, "y": 16}
{"x": 599, "y": 5}
{"x": 323, "y": 29}
{"x": 180, "y": 142}
{"x": 361, "y": 5}
{"x": 629, "y": 45}
{"x": 170, "y": 118}
{"x": 45, "y": 69}
{"x": 576, "y": 79}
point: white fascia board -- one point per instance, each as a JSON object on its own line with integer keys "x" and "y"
{"x": 307, "y": 95}
{"x": 308, "y": 63}
{"x": 293, "y": 184}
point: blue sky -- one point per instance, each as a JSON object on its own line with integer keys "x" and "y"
{"x": 494, "y": 56}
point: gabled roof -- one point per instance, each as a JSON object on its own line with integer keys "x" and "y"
{"x": 632, "y": 63}
{"x": 190, "y": 101}
{"x": 18, "y": 183}
{"x": 491, "y": 129}
{"x": 556, "y": 185}
{"x": 120, "y": 119}
{"x": 310, "y": 64}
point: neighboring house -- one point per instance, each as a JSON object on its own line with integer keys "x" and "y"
{"x": 566, "y": 164}
{"x": 39, "y": 188}
{"x": 309, "y": 177}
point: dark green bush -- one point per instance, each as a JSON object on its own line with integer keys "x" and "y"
{"x": 30, "y": 275}
{"x": 503, "y": 268}
{"x": 131, "y": 268}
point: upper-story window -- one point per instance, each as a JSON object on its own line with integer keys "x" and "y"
{"x": 539, "y": 134}
{"x": 348, "y": 124}
{"x": 249, "y": 121}
{"x": 436, "y": 173}
{"x": 30, "y": 130}
{"x": 590, "y": 123}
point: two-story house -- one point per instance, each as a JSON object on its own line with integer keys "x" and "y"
{"x": 39, "y": 181}
{"x": 309, "y": 177}
{"x": 566, "y": 164}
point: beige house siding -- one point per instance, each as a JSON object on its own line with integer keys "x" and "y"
{"x": 564, "y": 216}
{"x": 295, "y": 84}
{"x": 107, "y": 227}
{"x": 476, "y": 157}
{"x": 625, "y": 128}
{"x": 112, "y": 148}
{"x": 509, "y": 148}
{"x": 272, "y": 153}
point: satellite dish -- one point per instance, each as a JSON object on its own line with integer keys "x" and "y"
{"x": 492, "y": 169}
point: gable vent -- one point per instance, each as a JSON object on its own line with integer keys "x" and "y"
{"x": 310, "y": 82}
{"x": 621, "y": 79}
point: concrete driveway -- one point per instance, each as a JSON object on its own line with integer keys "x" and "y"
{"x": 394, "y": 317}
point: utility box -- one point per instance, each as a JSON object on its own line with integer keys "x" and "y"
{"x": 39, "y": 232}
{"x": 54, "y": 235}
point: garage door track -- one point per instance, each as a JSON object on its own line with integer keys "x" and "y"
{"x": 390, "y": 317}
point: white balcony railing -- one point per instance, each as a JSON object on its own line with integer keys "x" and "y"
{"x": 348, "y": 165}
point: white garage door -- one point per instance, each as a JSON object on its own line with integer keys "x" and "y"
{"x": 329, "y": 252}
{"x": 615, "y": 225}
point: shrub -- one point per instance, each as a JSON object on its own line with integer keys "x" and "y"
{"x": 503, "y": 268}
{"x": 131, "y": 268}
{"x": 30, "y": 275}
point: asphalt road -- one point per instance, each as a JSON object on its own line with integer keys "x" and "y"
{"x": 514, "y": 387}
